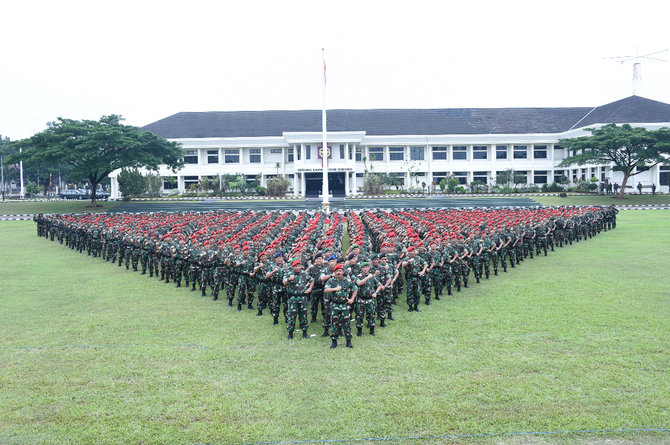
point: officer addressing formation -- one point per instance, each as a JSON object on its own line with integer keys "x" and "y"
{"x": 293, "y": 262}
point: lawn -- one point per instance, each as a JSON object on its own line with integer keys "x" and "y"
{"x": 578, "y": 340}
{"x": 580, "y": 200}
{"x": 31, "y": 207}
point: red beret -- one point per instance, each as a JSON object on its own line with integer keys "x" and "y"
{"x": 245, "y": 247}
{"x": 295, "y": 262}
{"x": 411, "y": 248}
{"x": 338, "y": 266}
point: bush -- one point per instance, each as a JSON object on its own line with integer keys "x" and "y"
{"x": 586, "y": 187}
{"x": 372, "y": 184}
{"x": 507, "y": 190}
{"x": 478, "y": 187}
{"x": 33, "y": 189}
{"x": 278, "y": 186}
{"x": 528, "y": 188}
{"x": 174, "y": 192}
{"x": 443, "y": 185}
{"x": 460, "y": 189}
{"x": 261, "y": 190}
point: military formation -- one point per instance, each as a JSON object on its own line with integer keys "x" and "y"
{"x": 292, "y": 264}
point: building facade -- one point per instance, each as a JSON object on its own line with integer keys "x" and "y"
{"x": 419, "y": 147}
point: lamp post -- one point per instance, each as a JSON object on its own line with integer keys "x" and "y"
{"x": 2, "y": 165}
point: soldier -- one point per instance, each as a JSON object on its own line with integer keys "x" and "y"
{"x": 366, "y": 299}
{"x": 264, "y": 290}
{"x": 436, "y": 275}
{"x": 425, "y": 278}
{"x": 387, "y": 275}
{"x": 276, "y": 276}
{"x": 315, "y": 271}
{"x": 244, "y": 266}
{"x": 342, "y": 292}
{"x": 415, "y": 268}
{"x": 232, "y": 277}
{"x": 299, "y": 284}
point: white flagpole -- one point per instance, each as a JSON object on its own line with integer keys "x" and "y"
{"x": 22, "y": 192}
{"x": 324, "y": 152}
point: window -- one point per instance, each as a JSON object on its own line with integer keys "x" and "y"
{"x": 416, "y": 153}
{"x": 275, "y": 150}
{"x": 438, "y": 176}
{"x": 255, "y": 155}
{"x": 520, "y": 152}
{"x": 359, "y": 175}
{"x": 289, "y": 155}
{"x": 540, "y": 177}
{"x": 501, "y": 151}
{"x": 231, "y": 156}
{"x": 461, "y": 176}
{"x": 664, "y": 175}
{"x": 359, "y": 157}
{"x": 642, "y": 169}
{"x": 191, "y": 157}
{"x": 308, "y": 152}
{"x": 351, "y": 152}
{"x": 170, "y": 182}
{"x": 212, "y": 156}
{"x": 376, "y": 153}
{"x": 540, "y": 152}
{"x": 558, "y": 176}
{"x": 480, "y": 152}
{"x": 298, "y": 152}
{"x": 559, "y": 153}
{"x": 602, "y": 176}
{"x": 482, "y": 177}
{"x": 439, "y": 153}
{"x": 190, "y": 180}
{"x": 396, "y": 153}
{"x": 460, "y": 152}
{"x": 523, "y": 176}
{"x": 342, "y": 151}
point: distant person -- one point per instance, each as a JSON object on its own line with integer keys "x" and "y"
{"x": 616, "y": 188}
{"x": 609, "y": 188}
{"x": 639, "y": 187}
{"x": 653, "y": 190}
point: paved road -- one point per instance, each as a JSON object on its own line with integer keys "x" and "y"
{"x": 396, "y": 203}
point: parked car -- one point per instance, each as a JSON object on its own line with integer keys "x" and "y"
{"x": 72, "y": 194}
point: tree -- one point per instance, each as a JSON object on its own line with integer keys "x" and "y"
{"x": 278, "y": 186}
{"x": 131, "y": 183}
{"x": 93, "y": 149}
{"x": 624, "y": 146}
{"x": 153, "y": 183}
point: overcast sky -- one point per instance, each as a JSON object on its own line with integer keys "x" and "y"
{"x": 147, "y": 60}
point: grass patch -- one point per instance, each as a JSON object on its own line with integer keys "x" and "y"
{"x": 31, "y": 207}
{"x": 582, "y": 200}
{"x": 575, "y": 341}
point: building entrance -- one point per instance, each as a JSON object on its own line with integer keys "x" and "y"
{"x": 314, "y": 183}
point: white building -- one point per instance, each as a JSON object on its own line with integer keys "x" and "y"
{"x": 417, "y": 145}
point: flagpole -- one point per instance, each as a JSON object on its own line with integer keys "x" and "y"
{"x": 22, "y": 192}
{"x": 324, "y": 152}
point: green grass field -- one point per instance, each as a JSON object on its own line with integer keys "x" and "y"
{"x": 30, "y": 207}
{"x": 579, "y": 340}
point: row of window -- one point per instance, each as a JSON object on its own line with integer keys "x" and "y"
{"x": 459, "y": 152}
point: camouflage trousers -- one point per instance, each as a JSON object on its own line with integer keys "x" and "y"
{"x": 278, "y": 296}
{"x": 365, "y": 309}
{"x": 264, "y": 295}
{"x": 245, "y": 289}
{"x": 413, "y": 290}
{"x": 297, "y": 307}
{"x": 340, "y": 321}
{"x": 206, "y": 278}
{"x": 316, "y": 298}
{"x": 384, "y": 303}
{"x": 435, "y": 281}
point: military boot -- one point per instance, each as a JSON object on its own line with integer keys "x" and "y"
{"x": 239, "y": 306}
{"x": 250, "y": 306}
{"x": 325, "y": 334}
{"x": 382, "y": 323}
{"x": 349, "y": 345}
{"x": 216, "y": 297}
{"x": 259, "y": 313}
{"x": 304, "y": 333}
{"x": 290, "y": 335}
{"x": 390, "y": 316}
{"x": 313, "y": 318}
{"x": 275, "y": 320}
{"x": 372, "y": 330}
{"x": 230, "y": 302}
{"x": 416, "y": 308}
{"x": 359, "y": 331}
{"x": 333, "y": 344}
